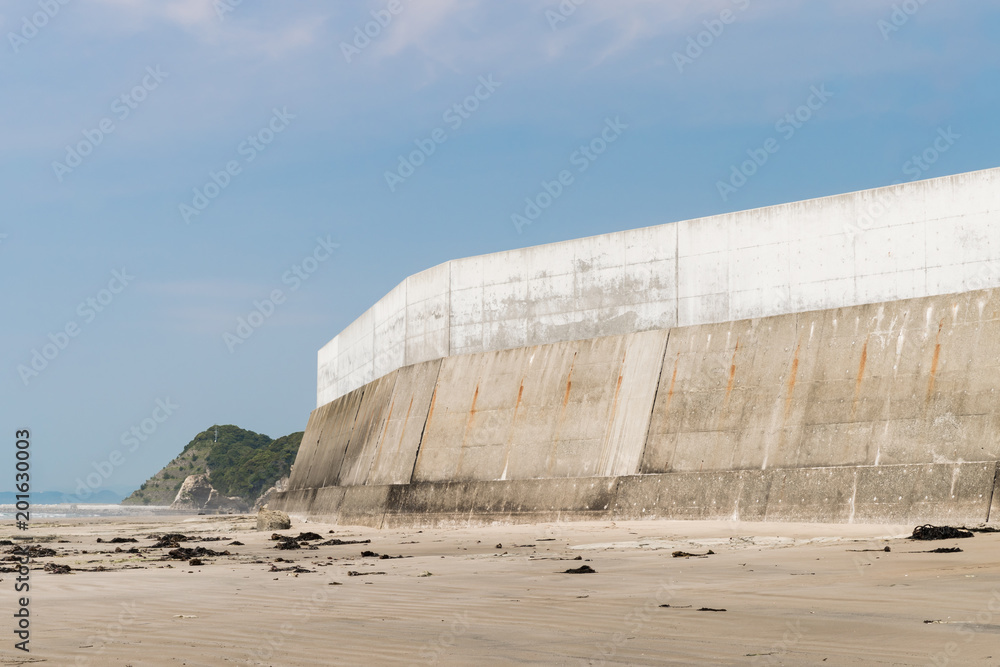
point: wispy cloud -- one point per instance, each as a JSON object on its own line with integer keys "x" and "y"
{"x": 187, "y": 13}
{"x": 276, "y": 36}
{"x": 459, "y": 31}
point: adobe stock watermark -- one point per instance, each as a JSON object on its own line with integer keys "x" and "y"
{"x": 363, "y": 35}
{"x": 581, "y": 158}
{"x": 916, "y": 167}
{"x": 130, "y": 440}
{"x": 562, "y": 13}
{"x": 635, "y": 620}
{"x": 113, "y": 632}
{"x": 987, "y": 276}
{"x": 983, "y": 621}
{"x": 793, "y": 635}
{"x": 223, "y": 7}
{"x": 122, "y": 107}
{"x": 264, "y": 309}
{"x": 248, "y": 149}
{"x": 454, "y": 116}
{"x": 445, "y": 639}
{"x": 704, "y": 39}
{"x": 786, "y": 126}
{"x": 87, "y": 310}
{"x": 899, "y": 17}
{"x": 300, "y": 612}
{"x": 31, "y": 25}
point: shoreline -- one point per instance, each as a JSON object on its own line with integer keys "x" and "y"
{"x": 95, "y": 510}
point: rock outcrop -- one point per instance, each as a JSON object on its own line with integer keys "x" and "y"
{"x": 272, "y": 520}
{"x": 279, "y": 486}
{"x": 197, "y": 493}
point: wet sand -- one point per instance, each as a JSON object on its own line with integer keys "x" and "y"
{"x": 793, "y": 594}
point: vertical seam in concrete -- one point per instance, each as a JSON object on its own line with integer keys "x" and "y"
{"x": 788, "y": 268}
{"x": 767, "y": 480}
{"x": 369, "y": 393}
{"x": 450, "y": 313}
{"x": 423, "y": 429}
{"x": 609, "y": 451}
{"x": 385, "y": 508}
{"x": 613, "y": 499}
{"x": 347, "y": 441}
{"x": 557, "y": 432}
{"x": 372, "y": 439}
{"x": 652, "y": 408}
{"x": 993, "y": 490}
{"x": 468, "y": 430}
{"x": 385, "y": 428}
{"x": 406, "y": 321}
{"x": 513, "y": 425}
{"x": 374, "y": 350}
{"x": 677, "y": 274}
{"x": 310, "y": 452}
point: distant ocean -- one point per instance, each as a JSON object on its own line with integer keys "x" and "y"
{"x": 65, "y": 510}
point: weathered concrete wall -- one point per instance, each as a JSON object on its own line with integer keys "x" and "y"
{"x": 570, "y": 409}
{"x": 914, "y": 381}
{"x": 918, "y": 239}
{"x": 369, "y": 436}
{"x": 897, "y": 494}
{"x": 885, "y": 412}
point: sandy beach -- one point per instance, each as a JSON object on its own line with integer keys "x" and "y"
{"x": 792, "y": 594}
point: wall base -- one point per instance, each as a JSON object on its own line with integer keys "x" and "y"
{"x": 909, "y": 494}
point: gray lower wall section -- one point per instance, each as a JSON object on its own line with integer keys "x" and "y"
{"x": 895, "y": 494}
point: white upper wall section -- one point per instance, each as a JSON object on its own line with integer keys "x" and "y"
{"x": 917, "y": 239}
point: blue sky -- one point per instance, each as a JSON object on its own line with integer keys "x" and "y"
{"x": 93, "y": 182}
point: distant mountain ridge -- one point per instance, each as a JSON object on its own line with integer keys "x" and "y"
{"x": 239, "y": 463}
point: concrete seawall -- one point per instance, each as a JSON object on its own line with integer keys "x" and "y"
{"x": 934, "y": 493}
{"x": 918, "y": 239}
{"x": 874, "y": 413}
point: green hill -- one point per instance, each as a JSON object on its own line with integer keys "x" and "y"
{"x": 242, "y": 463}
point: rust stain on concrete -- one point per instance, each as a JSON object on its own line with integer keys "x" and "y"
{"x": 732, "y": 372}
{"x": 861, "y": 375}
{"x": 562, "y": 417}
{"x": 618, "y": 389}
{"x": 468, "y": 429}
{"x": 569, "y": 383}
{"x": 673, "y": 381}
{"x": 934, "y": 362}
{"x": 387, "y": 418}
{"x": 607, "y": 450}
{"x": 472, "y": 410}
{"x": 791, "y": 381}
{"x": 513, "y": 424}
{"x": 402, "y": 431}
